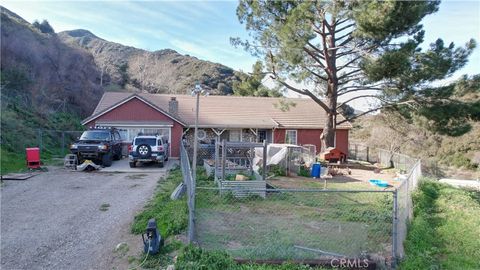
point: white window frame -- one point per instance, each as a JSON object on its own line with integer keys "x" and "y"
{"x": 288, "y": 137}
{"x": 230, "y": 135}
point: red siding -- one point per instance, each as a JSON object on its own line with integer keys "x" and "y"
{"x": 342, "y": 140}
{"x": 312, "y": 136}
{"x": 136, "y": 110}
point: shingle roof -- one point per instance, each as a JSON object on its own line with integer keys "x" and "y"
{"x": 230, "y": 111}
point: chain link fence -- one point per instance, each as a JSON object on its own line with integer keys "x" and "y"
{"x": 56, "y": 143}
{"x": 304, "y": 224}
{"x": 384, "y": 157}
{"x": 293, "y": 224}
{"x": 412, "y": 172}
{"x": 52, "y": 143}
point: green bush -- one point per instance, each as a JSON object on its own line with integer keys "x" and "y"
{"x": 304, "y": 171}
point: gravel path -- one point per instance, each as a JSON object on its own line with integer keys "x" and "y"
{"x": 54, "y": 221}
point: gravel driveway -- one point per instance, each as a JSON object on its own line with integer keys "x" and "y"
{"x": 54, "y": 220}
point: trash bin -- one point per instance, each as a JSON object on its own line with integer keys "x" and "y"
{"x": 33, "y": 157}
{"x": 316, "y": 170}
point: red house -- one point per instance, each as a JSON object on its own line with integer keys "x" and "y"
{"x": 232, "y": 118}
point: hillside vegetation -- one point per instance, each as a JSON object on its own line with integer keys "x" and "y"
{"x": 442, "y": 155}
{"x": 445, "y": 230}
{"x": 163, "y": 71}
{"x": 51, "y": 80}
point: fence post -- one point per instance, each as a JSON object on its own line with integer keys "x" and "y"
{"x": 368, "y": 160}
{"x": 264, "y": 174}
{"x": 216, "y": 157}
{"x": 394, "y": 230}
{"x": 40, "y": 138}
{"x": 224, "y": 159}
{"x": 63, "y": 143}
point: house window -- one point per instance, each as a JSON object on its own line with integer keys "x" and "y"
{"x": 291, "y": 137}
{"x": 235, "y": 135}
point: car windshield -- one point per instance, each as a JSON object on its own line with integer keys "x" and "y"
{"x": 149, "y": 141}
{"x": 95, "y": 135}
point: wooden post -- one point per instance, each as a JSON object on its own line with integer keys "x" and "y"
{"x": 368, "y": 159}
{"x": 63, "y": 143}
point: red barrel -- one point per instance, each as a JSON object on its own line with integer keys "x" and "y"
{"x": 33, "y": 157}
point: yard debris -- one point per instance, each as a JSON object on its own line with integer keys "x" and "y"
{"x": 70, "y": 161}
{"x": 178, "y": 191}
{"x": 320, "y": 251}
{"x": 88, "y": 165}
{"x": 19, "y": 176}
{"x": 241, "y": 177}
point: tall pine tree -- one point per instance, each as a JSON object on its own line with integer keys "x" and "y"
{"x": 361, "y": 49}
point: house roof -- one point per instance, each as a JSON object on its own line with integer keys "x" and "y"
{"x": 228, "y": 111}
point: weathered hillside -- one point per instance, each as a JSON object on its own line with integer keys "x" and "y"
{"x": 440, "y": 154}
{"x": 44, "y": 73}
{"x": 163, "y": 71}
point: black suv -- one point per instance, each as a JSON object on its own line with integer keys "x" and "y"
{"x": 98, "y": 145}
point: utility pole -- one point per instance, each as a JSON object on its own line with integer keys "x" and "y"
{"x": 196, "y": 91}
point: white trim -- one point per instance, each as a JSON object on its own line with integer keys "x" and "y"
{"x": 119, "y": 124}
{"x": 218, "y": 133}
{"x": 93, "y": 117}
{"x": 241, "y": 134}
{"x": 296, "y": 136}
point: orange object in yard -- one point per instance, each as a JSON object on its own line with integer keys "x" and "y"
{"x": 333, "y": 155}
{"x": 33, "y": 157}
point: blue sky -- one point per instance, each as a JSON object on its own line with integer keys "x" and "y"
{"x": 203, "y": 28}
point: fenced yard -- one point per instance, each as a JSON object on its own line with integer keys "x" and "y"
{"x": 296, "y": 224}
{"x": 301, "y": 218}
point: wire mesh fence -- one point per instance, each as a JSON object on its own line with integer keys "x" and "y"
{"x": 56, "y": 143}
{"x": 189, "y": 182}
{"x": 387, "y": 158}
{"x": 296, "y": 224}
{"x": 412, "y": 170}
{"x": 52, "y": 143}
{"x": 257, "y": 223}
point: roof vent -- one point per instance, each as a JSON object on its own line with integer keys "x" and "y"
{"x": 173, "y": 106}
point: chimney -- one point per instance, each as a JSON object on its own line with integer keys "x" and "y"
{"x": 173, "y": 106}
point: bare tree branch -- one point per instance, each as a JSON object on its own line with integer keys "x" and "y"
{"x": 316, "y": 74}
{"x": 339, "y": 22}
{"x": 312, "y": 54}
{"x": 361, "y": 114}
{"x": 349, "y": 74}
{"x": 343, "y": 28}
{"x": 341, "y": 93}
{"x": 344, "y": 36}
{"x": 348, "y": 63}
{"x": 357, "y": 97}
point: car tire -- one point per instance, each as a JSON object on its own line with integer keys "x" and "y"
{"x": 144, "y": 150}
{"x": 160, "y": 164}
{"x": 132, "y": 164}
{"x": 117, "y": 156}
{"x": 107, "y": 160}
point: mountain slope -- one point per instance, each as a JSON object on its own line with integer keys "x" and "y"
{"x": 163, "y": 71}
{"x": 43, "y": 72}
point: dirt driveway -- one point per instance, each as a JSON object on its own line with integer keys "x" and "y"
{"x": 69, "y": 220}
